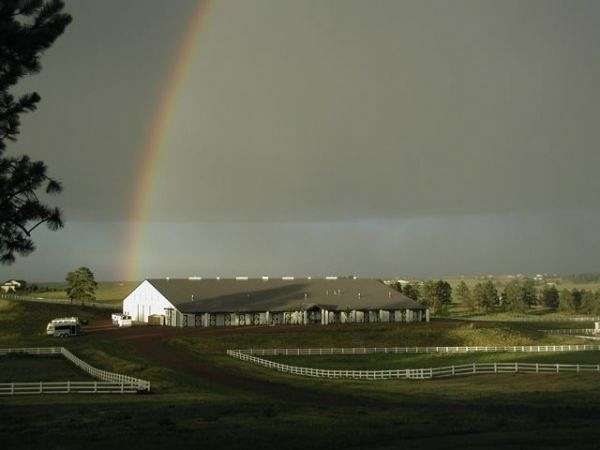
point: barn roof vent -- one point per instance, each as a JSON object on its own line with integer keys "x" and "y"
{"x": 331, "y": 278}
{"x": 287, "y": 278}
{"x": 241, "y": 278}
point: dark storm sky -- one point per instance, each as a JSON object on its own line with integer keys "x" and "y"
{"x": 321, "y": 137}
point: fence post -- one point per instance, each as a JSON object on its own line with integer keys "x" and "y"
{"x": 474, "y": 370}
{"x": 453, "y": 371}
{"x": 495, "y": 367}
{"x": 12, "y": 388}
{"x": 41, "y": 389}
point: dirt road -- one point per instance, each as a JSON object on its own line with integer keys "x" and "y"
{"x": 152, "y": 343}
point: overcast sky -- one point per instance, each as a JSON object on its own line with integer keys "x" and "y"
{"x": 321, "y": 137}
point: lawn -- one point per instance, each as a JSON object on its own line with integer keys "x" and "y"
{"x": 203, "y": 397}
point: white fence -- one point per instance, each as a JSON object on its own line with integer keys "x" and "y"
{"x": 576, "y": 331}
{"x": 110, "y": 382}
{"x": 421, "y": 373}
{"x": 68, "y": 387}
{"x": 467, "y": 349}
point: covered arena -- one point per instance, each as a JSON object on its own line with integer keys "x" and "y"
{"x": 243, "y": 301}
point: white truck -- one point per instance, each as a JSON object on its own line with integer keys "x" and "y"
{"x": 63, "y": 327}
{"x": 115, "y": 318}
{"x": 121, "y": 320}
{"x": 125, "y": 321}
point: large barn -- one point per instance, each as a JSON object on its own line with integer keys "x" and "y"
{"x": 196, "y": 302}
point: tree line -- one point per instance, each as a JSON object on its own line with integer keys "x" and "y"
{"x": 436, "y": 295}
{"x": 81, "y": 285}
{"x": 518, "y": 295}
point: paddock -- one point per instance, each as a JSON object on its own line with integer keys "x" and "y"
{"x": 263, "y": 358}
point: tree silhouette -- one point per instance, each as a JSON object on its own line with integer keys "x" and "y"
{"x": 27, "y": 29}
{"x": 81, "y": 285}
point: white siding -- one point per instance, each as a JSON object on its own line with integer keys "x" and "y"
{"x": 145, "y": 300}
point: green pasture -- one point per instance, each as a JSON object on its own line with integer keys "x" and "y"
{"x": 380, "y": 361}
{"x": 112, "y": 292}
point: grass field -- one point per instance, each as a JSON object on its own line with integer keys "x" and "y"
{"x": 382, "y": 361}
{"x": 533, "y": 314}
{"x": 112, "y": 292}
{"x": 203, "y": 397}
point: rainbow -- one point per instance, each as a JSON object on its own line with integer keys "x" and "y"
{"x": 154, "y": 144}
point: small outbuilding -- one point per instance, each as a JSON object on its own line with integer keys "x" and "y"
{"x": 242, "y": 301}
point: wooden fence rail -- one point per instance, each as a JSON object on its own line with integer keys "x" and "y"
{"x": 420, "y": 373}
{"x": 110, "y": 381}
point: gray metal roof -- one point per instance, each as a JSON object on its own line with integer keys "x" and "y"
{"x": 254, "y": 295}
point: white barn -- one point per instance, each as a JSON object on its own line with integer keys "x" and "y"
{"x": 242, "y": 301}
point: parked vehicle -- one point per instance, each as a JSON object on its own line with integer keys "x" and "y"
{"x": 63, "y": 327}
{"x": 115, "y": 318}
{"x": 124, "y": 321}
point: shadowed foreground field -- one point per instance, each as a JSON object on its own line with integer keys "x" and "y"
{"x": 26, "y": 369}
{"x": 202, "y": 398}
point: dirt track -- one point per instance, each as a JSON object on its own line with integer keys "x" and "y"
{"x": 152, "y": 344}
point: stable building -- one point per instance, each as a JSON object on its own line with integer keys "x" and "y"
{"x": 242, "y": 301}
